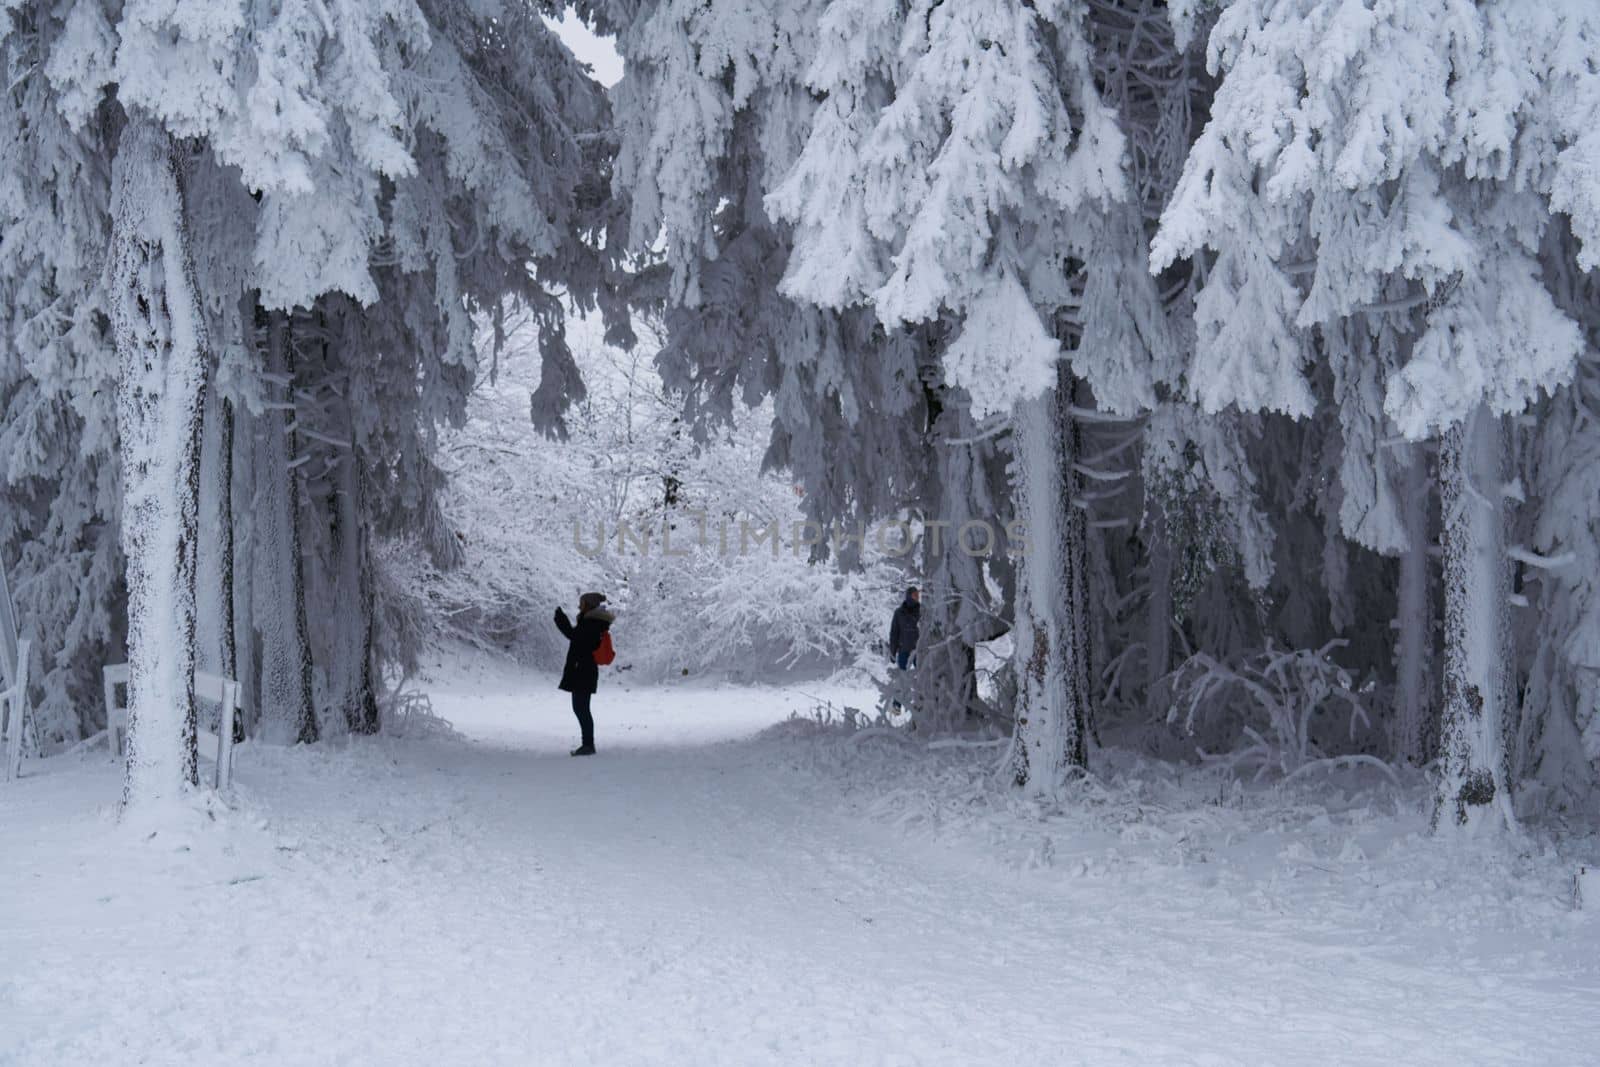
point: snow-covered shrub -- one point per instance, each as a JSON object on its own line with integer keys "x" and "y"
{"x": 538, "y": 522}
{"x": 1271, "y": 709}
{"x": 408, "y": 712}
{"x": 751, "y": 614}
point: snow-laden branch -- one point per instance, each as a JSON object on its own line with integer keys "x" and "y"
{"x": 1330, "y": 763}
{"x": 996, "y": 430}
{"x": 1100, "y": 476}
{"x": 1533, "y": 559}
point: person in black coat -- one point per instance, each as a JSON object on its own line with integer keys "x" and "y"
{"x": 581, "y": 675}
{"x": 904, "y": 628}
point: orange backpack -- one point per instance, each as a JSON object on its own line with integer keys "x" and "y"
{"x": 604, "y": 653}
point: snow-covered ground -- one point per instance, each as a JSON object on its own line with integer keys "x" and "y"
{"x": 711, "y": 891}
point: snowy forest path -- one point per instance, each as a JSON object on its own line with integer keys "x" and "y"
{"x": 677, "y": 899}
{"x": 710, "y": 893}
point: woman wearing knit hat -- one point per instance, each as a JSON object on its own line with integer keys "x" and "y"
{"x": 588, "y": 647}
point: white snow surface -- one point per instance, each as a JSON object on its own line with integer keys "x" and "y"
{"x": 713, "y": 888}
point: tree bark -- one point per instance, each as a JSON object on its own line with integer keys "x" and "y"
{"x": 158, "y": 329}
{"x": 1473, "y": 783}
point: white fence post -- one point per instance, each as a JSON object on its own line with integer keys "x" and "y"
{"x": 230, "y": 705}
{"x": 112, "y": 676}
{"x": 213, "y": 687}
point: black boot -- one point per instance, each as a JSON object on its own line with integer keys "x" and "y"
{"x": 583, "y": 750}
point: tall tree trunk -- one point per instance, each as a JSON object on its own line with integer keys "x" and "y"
{"x": 288, "y": 712}
{"x": 1472, "y": 784}
{"x": 159, "y": 339}
{"x": 349, "y": 671}
{"x": 1158, "y": 606}
{"x": 1081, "y": 661}
{"x": 1415, "y": 726}
{"x": 246, "y": 640}
{"x": 230, "y": 648}
{"x": 1050, "y": 727}
{"x": 214, "y": 595}
{"x": 367, "y": 720}
{"x": 214, "y": 567}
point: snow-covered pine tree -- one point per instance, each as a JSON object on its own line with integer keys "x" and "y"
{"x": 231, "y": 79}
{"x": 1421, "y": 145}
{"x": 58, "y": 367}
{"x": 953, "y": 159}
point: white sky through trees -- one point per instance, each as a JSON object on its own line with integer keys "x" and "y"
{"x": 599, "y": 53}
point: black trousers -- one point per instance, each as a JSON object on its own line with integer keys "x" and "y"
{"x": 580, "y": 708}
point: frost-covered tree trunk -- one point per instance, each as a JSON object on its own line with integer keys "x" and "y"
{"x": 1472, "y": 783}
{"x": 1414, "y": 727}
{"x": 1050, "y": 726}
{"x": 288, "y": 713}
{"x": 159, "y": 337}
